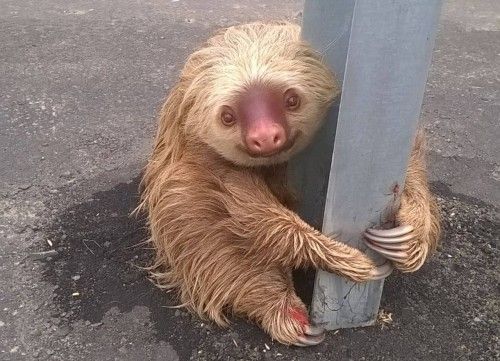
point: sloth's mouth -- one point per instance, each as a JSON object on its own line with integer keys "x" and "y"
{"x": 287, "y": 146}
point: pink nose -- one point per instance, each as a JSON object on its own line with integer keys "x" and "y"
{"x": 265, "y": 138}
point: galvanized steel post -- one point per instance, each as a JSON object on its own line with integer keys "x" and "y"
{"x": 380, "y": 51}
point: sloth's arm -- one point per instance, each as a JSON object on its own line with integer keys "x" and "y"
{"x": 275, "y": 234}
{"x": 409, "y": 245}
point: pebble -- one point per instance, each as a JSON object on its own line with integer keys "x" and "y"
{"x": 2, "y": 323}
{"x": 63, "y": 331}
{"x": 75, "y": 277}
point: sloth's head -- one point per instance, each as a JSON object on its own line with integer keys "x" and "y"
{"x": 257, "y": 93}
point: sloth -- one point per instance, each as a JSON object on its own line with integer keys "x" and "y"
{"x": 215, "y": 192}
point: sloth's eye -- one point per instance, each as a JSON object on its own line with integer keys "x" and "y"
{"x": 292, "y": 100}
{"x": 227, "y": 117}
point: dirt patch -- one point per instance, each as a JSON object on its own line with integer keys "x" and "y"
{"x": 447, "y": 310}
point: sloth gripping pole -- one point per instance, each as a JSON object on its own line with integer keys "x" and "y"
{"x": 380, "y": 51}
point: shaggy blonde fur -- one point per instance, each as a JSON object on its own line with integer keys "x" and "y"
{"x": 220, "y": 221}
{"x": 419, "y": 209}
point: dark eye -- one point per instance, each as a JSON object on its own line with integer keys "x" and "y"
{"x": 227, "y": 117}
{"x": 292, "y": 100}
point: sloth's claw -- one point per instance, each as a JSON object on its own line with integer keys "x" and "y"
{"x": 314, "y": 330}
{"x": 308, "y": 340}
{"x": 389, "y": 254}
{"x": 391, "y": 233}
{"x": 381, "y": 271}
{"x": 390, "y": 243}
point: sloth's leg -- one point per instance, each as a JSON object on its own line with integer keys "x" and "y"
{"x": 268, "y": 298}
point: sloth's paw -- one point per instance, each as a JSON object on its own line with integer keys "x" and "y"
{"x": 402, "y": 245}
{"x": 291, "y": 326}
{"x": 310, "y": 335}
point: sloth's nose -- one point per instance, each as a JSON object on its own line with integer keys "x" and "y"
{"x": 265, "y": 138}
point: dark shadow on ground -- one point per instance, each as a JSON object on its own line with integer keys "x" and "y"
{"x": 100, "y": 255}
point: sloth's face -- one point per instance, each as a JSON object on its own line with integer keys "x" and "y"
{"x": 264, "y": 96}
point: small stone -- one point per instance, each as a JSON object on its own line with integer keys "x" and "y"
{"x": 63, "y": 331}
{"x": 2, "y": 323}
{"x": 177, "y": 313}
{"x": 49, "y": 352}
{"x": 75, "y": 277}
{"x": 477, "y": 319}
{"x": 24, "y": 186}
{"x": 88, "y": 323}
{"x": 122, "y": 349}
{"x": 14, "y": 349}
{"x": 107, "y": 244}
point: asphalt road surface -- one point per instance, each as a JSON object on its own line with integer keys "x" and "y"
{"x": 81, "y": 82}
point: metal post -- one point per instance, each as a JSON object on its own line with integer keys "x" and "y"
{"x": 380, "y": 51}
